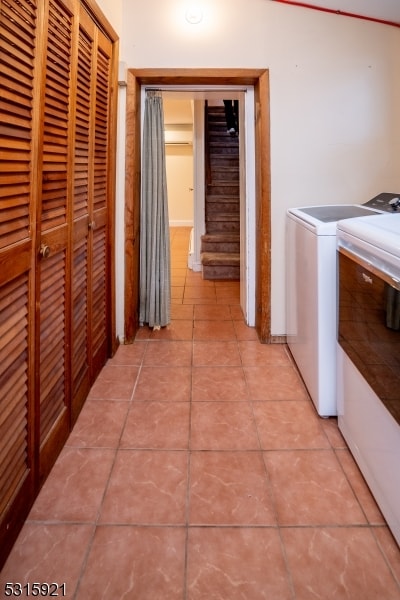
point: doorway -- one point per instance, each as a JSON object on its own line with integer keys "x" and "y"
{"x": 259, "y": 79}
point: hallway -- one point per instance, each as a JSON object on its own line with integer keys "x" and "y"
{"x": 199, "y": 469}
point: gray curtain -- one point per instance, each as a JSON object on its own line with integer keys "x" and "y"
{"x": 155, "y": 269}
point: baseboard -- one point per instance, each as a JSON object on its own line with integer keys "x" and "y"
{"x": 278, "y": 339}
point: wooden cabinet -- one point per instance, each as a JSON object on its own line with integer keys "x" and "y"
{"x": 57, "y": 173}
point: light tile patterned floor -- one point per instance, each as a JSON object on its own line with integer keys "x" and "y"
{"x": 199, "y": 469}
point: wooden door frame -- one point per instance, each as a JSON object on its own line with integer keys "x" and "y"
{"x": 259, "y": 78}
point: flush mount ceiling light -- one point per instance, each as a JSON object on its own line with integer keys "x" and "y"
{"x": 194, "y": 14}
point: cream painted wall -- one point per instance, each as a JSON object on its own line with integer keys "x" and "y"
{"x": 112, "y": 9}
{"x": 179, "y": 167}
{"x": 334, "y": 93}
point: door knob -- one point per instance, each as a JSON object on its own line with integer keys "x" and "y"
{"x": 44, "y": 251}
{"x": 92, "y": 225}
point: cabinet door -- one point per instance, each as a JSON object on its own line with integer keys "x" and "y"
{"x": 53, "y": 287}
{"x": 17, "y": 273}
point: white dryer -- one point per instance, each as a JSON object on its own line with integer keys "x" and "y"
{"x": 368, "y": 354}
{"x": 311, "y": 321}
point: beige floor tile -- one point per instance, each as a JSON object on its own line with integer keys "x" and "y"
{"x": 333, "y": 433}
{"x": 163, "y": 383}
{"x": 360, "y": 487}
{"x": 142, "y": 563}
{"x": 254, "y": 354}
{"x": 213, "y": 331}
{"x": 310, "y": 488}
{"x": 218, "y": 383}
{"x": 74, "y": 489}
{"x": 223, "y": 426}
{"x": 168, "y": 354}
{"x": 47, "y": 553}
{"x": 341, "y": 563}
{"x": 182, "y": 312}
{"x": 157, "y": 425}
{"x": 129, "y": 354}
{"x": 147, "y": 487}
{"x": 212, "y": 312}
{"x": 289, "y": 424}
{"x": 244, "y": 332}
{"x": 229, "y": 488}
{"x": 115, "y": 382}
{"x": 99, "y": 424}
{"x": 236, "y": 564}
{"x": 274, "y": 383}
{"x": 216, "y": 354}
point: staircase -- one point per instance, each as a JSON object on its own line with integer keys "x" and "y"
{"x": 220, "y": 246}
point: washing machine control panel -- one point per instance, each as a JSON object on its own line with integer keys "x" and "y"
{"x": 386, "y": 202}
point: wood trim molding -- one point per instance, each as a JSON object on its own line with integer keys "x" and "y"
{"x": 259, "y": 78}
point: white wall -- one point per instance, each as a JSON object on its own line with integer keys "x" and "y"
{"x": 179, "y": 167}
{"x": 112, "y": 10}
{"x": 334, "y": 93}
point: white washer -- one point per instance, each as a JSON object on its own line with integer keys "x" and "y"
{"x": 368, "y": 358}
{"x": 311, "y": 321}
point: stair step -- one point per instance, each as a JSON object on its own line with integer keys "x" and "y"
{"x": 220, "y": 160}
{"x": 220, "y": 258}
{"x": 225, "y": 217}
{"x": 226, "y": 188}
{"x": 223, "y": 226}
{"x": 224, "y": 174}
{"x": 233, "y": 198}
{"x": 221, "y": 136}
{"x": 224, "y": 148}
{"x": 228, "y": 242}
{"x": 226, "y": 237}
{"x": 217, "y": 265}
{"x": 217, "y": 208}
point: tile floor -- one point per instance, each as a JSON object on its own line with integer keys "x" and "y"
{"x": 198, "y": 469}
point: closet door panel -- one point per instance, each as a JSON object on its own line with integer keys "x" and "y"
{"x": 93, "y": 120}
{"x": 101, "y": 204}
{"x": 16, "y": 435}
{"x": 99, "y": 309}
{"x": 53, "y": 272}
{"x": 17, "y": 241}
{"x": 80, "y": 342}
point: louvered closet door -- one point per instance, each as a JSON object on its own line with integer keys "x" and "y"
{"x": 91, "y": 203}
{"x": 17, "y": 52}
{"x": 81, "y": 191}
{"x": 100, "y": 208}
{"x": 53, "y": 289}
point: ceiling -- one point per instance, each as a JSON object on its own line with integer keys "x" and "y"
{"x": 385, "y": 10}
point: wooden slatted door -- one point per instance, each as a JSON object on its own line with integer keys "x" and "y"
{"x": 91, "y": 209}
{"x": 56, "y": 212}
{"x": 81, "y": 377}
{"x": 17, "y": 32}
{"x": 101, "y": 205}
{"x": 53, "y": 287}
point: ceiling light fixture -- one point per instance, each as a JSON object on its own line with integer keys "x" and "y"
{"x": 194, "y": 14}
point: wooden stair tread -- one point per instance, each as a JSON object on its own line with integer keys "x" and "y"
{"x": 221, "y": 237}
{"x": 220, "y": 258}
